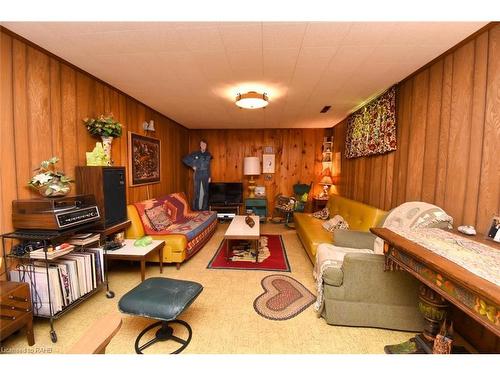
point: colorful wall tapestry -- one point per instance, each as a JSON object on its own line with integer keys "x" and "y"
{"x": 144, "y": 159}
{"x": 371, "y": 130}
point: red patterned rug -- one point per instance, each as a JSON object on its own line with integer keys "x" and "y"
{"x": 272, "y": 256}
{"x": 283, "y": 298}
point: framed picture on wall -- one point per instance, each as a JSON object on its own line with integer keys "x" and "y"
{"x": 494, "y": 231}
{"x": 144, "y": 155}
{"x": 268, "y": 163}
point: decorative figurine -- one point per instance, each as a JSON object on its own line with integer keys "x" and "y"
{"x": 250, "y": 222}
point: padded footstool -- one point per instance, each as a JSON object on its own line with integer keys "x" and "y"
{"x": 163, "y": 299}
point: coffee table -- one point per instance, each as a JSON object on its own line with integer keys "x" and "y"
{"x": 239, "y": 230}
{"x": 138, "y": 253}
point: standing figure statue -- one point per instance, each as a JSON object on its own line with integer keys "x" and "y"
{"x": 200, "y": 162}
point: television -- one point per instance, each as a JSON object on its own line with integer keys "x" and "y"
{"x": 225, "y": 193}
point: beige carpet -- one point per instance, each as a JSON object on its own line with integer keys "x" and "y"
{"x": 222, "y": 317}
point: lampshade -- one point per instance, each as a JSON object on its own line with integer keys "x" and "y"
{"x": 326, "y": 180}
{"x": 326, "y": 177}
{"x": 251, "y": 100}
{"x": 251, "y": 166}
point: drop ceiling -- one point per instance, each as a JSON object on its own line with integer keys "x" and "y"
{"x": 191, "y": 71}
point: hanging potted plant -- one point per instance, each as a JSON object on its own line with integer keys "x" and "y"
{"x": 105, "y": 127}
{"x": 48, "y": 181}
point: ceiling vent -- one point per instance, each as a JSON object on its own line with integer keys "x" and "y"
{"x": 325, "y": 109}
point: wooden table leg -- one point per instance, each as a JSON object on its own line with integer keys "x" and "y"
{"x": 160, "y": 254}
{"x": 433, "y": 307}
{"x": 29, "y": 333}
{"x": 143, "y": 269}
{"x": 228, "y": 249}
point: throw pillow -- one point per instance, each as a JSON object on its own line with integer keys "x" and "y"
{"x": 433, "y": 218}
{"x": 322, "y": 214}
{"x": 336, "y": 222}
{"x": 158, "y": 218}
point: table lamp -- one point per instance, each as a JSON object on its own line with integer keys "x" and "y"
{"x": 326, "y": 181}
{"x": 251, "y": 167}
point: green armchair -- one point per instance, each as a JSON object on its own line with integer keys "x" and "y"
{"x": 361, "y": 294}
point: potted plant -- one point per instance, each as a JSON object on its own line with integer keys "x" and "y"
{"x": 48, "y": 181}
{"x": 105, "y": 127}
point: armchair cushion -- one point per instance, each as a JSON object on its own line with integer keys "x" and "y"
{"x": 353, "y": 239}
{"x": 333, "y": 276}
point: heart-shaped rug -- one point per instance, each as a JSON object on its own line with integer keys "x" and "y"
{"x": 283, "y": 298}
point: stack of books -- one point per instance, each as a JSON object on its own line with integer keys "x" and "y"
{"x": 82, "y": 239}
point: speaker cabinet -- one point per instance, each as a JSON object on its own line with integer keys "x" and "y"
{"x": 108, "y": 185}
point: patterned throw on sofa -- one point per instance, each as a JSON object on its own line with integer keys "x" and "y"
{"x": 178, "y": 218}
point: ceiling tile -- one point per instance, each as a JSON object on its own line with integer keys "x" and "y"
{"x": 201, "y": 38}
{"x": 368, "y": 33}
{"x": 242, "y": 36}
{"x": 325, "y": 34}
{"x": 283, "y": 35}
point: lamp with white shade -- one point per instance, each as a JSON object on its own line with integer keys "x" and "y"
{"x": 251, "y": 167}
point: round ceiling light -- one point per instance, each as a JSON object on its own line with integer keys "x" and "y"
{"x": 252, "y": 100}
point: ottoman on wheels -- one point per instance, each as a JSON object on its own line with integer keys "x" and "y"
{"x": 163, "y": 299}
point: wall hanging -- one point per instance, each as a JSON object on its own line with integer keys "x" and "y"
{"x": 144, "y": 159}
{"x": 371, "y": 130}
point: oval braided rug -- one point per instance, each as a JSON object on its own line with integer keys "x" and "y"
{"x": 283, "y": 298}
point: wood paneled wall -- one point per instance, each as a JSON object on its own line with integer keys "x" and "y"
{"x": 448, "y": 118}
{"x": 43, "y": 102}
{"x": 297, "y": 153}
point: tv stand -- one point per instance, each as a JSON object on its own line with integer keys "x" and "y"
{"x": 225, "y": 211}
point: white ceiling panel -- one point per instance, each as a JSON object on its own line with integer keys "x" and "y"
{"x": 283, "y": 35}
{"x": 325, "y": 34}
{"x": 238, "y": 37}
{"x": 191, "y": 71}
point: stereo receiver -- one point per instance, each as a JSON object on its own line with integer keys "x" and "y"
{"x": 54, "y": 213}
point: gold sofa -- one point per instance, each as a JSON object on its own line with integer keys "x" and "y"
{"x": 359, "y": 216}
{"x": 178, "y": 246}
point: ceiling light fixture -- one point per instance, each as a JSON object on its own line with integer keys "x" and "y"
{"x": 252, "y": 100}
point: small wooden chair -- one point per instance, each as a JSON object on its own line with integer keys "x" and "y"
{"x": 97, "y": 337}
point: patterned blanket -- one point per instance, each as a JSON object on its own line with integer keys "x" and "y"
{"x": 478, "y": 258}
{"x": 414, "y": 215}
{"x": 184, "y": 221}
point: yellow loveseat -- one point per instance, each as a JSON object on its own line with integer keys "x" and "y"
{"x": 358, "y": 215}
{"x": 201, "y": 225}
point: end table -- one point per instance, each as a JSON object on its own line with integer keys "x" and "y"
{"x": 318, "y": 203}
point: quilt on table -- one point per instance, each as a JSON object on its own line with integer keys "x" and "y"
{"x": 478, "y": 258}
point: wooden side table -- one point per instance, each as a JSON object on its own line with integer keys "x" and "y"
{"x": 318, "y": 203}
{"x": 138, "y": 253}
{"x": 15, "y": 310}
{"x": 258, "y": 207}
